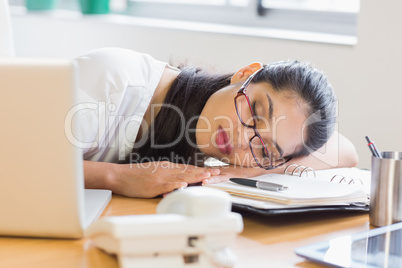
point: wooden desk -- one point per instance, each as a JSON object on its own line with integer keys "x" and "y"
{"x": 265, "y": 241}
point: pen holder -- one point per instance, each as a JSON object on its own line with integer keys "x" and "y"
{"x": 386, "y": 189}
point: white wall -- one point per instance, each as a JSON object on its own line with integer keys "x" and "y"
{"x": 6, "y": 40}
{"x": 366, "y": 77}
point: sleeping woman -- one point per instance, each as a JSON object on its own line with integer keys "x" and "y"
{"x": 147, "y": 128}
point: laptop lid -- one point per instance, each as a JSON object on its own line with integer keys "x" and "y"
{"x": 41, "y": 171}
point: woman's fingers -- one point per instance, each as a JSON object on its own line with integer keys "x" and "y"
{"x": 215, "y": 179}
{"x": 162, "y": 177}
{"x": 192, "y": 178}
{"x": 171, "y": 186}
{"x": 192, "y": 174}
{"x": 190, "y": 169}
{"x": 214, "y": 171}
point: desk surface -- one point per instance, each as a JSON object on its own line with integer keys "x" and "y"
{"x": 265, "y": 240}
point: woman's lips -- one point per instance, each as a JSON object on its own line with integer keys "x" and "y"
{"x": 222, "y": 140}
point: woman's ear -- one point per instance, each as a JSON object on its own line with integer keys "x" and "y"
{"x": 242, "y": 74}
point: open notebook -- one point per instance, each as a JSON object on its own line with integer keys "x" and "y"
{"x": 333, "y": 189}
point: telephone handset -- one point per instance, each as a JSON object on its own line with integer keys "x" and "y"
{"x": 193, "y": 227}
{"x": 196, "y": 202}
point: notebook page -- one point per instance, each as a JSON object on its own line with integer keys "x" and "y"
{"x": 358, "y": 176}
{"x": 301, "y": 190}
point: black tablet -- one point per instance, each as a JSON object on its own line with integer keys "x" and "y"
{"x": 381, "y": 247}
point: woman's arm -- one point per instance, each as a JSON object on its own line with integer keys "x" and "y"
{"x": 337, "y": 152}
{"x": 145, "y": 180}
{"x": 151, "y": 179}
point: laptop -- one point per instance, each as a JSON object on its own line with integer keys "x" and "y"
{"x": 41, "y": 170}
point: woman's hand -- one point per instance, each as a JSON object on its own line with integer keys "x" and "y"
{"x": 231, "y": 171}
{"x": 145, "y": 180}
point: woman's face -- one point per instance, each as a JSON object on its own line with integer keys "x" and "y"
{"x": 220, "y": 134}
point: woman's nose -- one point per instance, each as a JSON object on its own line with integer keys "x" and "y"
{"x": 246, "y": 134}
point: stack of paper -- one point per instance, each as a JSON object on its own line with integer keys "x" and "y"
{"x": 319, "y": 192}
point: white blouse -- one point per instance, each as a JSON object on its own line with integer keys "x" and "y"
{"x": 115, "y": 87}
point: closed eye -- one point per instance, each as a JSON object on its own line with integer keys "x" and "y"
{"x": 255, "y": 111}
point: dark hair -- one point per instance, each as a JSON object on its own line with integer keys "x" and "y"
{"x": 192, "y": 88}
{"x": 313, "y": 88}
{"x": 185, "y": 99}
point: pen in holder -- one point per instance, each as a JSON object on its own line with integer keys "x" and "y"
{"x": 386, "y": 189}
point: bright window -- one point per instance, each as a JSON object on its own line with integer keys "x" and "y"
{"x": 320, "y": 16}
{"x": 333, "y": 21}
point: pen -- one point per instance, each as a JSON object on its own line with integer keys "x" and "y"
{"x": 372, "y": 148}
{"x": 264, "y": 185}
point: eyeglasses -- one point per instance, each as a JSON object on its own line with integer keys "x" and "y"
{"x": 263, "y": 157}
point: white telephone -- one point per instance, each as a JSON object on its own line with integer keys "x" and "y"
{"x": 193, "y": 228}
